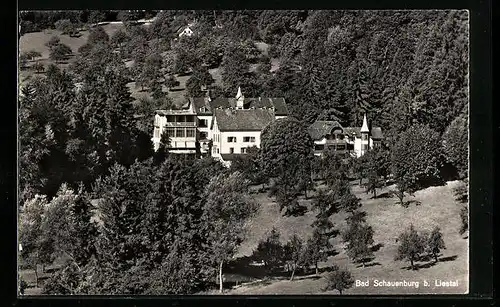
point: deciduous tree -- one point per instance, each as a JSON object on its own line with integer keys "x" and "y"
{"x": 435, "y": 243}
{"x": 455, "y": 144}
{"x": 270, "y": 250}
{"x": 416, "y": 159}
{"x": 286, "y": 151}
{"x": 411, "y": 246}
{"x": 226, "y": 210}
{"x": 294, "y": 249}
{"x": 60, "y": 53}
{"x": 339, "y": 279}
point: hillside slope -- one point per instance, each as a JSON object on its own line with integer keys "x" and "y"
{"x": 388, "y": 219}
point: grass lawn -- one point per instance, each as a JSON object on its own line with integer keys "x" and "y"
{"x": 36, "y": 41}
{"x": 388, "y": 220}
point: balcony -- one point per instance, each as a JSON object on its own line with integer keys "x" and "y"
{"x": 180, "y": 124}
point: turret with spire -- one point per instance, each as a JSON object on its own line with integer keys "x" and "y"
{"x": 365, "y": 140}
{"x": 364, "y": 127}
{"x": 239, "y": 99}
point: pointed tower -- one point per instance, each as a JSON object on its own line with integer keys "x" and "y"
{"x": 365, "y": 139}
{"x": 239, "y": 99}
{"x": 364, "y": 127}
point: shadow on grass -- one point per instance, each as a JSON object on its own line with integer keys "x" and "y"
{"x": 299, "y": 210}
{"x": 332, "y": 253}
{"x": 367, "y": 265}
{"x": 430, "y": 262}
{"x": 449, "y": 258}
{"x": 383, "y": 195}
{"x": 376, "y": 247}
{"x": 407, "y": 203}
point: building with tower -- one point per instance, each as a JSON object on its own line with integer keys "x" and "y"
{"x": 354, "y": 141}
{"x": 220, "y": 127}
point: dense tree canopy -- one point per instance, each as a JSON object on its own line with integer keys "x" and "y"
{"x": 417, "y": 158}
{"x": 162, "y": 223}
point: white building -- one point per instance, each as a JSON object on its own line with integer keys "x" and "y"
{"x": 354, "y": 141}
{"x": 185, "y": 30}
{"x": 235, "y": 130}
{"x": 181, "y": 128}
{"x": 223, "y": 127}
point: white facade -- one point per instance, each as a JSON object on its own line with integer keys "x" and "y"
{"x": 232, "y": 142}
{"x": 180, "y": 127}
{"x": 200, "y": 118}
{"x": 186, "y": 32}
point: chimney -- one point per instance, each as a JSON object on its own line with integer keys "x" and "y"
{"x": 239, "y": 99}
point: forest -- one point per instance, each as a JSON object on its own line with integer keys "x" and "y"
{"x": 162, "y": 224}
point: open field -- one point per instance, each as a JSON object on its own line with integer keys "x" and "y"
{"x": 36, "y": 41}
{"x": 388, "y": 219}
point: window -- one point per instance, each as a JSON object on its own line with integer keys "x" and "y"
{"x": 180, "y": 133}
{"x": 157, "y": 132}
{"x": 364, "y": 136}
{"x": 231, "y": 139}
{"x": 218, "y": 151}
{"x": 231, "y": 150}
{"x": 202, "y": 123}
{"x": 170, "y": 132}
{"x": 203, "y": 135}
{"x": 340, "y": 147}
{"x": 243, "y": 150}
{"x": 214, "y": 150}
{"x": 247, "y": 139}
{"x": 319, "y": 147}
{"x": 190, "y": 132}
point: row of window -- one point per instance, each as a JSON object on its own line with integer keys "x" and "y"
{"x": 176, "y": 132}
{"x": 246, "y": 139}
{"x": 216, "y": 150}
{"x": 320, "y": 147}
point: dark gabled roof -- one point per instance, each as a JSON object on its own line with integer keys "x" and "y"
{"x": 320, "y": 128}
{"x": 203, "y": 106}
{"x": 243, "y": 120}
{"x": 376, "y": 132}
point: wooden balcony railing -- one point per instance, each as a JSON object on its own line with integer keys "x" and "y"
{"x": 180, "y": 124}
